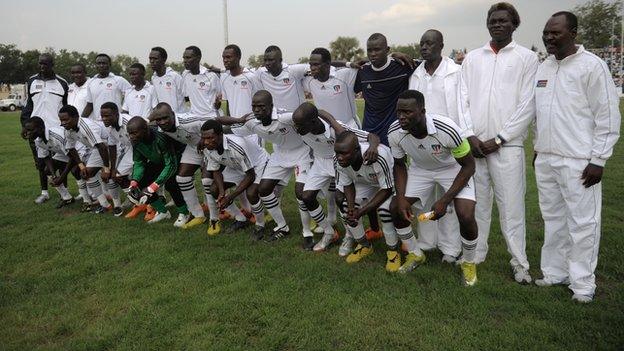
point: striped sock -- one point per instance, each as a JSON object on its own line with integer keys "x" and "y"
{"x": 468, "y": 249}
{"x": 210, "y": 200}
{"x": 258, "y": 211}
{"x": 187, "y": 188}
{"x": 407, "y": 236}
{"x": 305, "y": 219}
{"x": 273, "y": 206}
{"x": 319, "y": 217}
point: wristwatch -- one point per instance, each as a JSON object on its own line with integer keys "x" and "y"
{"x": 499, "y": 140}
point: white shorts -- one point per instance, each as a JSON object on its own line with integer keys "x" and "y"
{"x": 125, "y": 162}
{"x": 321, "y": 174}
{"x": 59, "y": 156}
{"x": 365, "y": 192}
{"x": 275, "y": 171}
{"x": 191, "y": 156}
{"x": 421, "y": 182}
{"x": 235, "y": 176}
{"x": 94, "y": 160}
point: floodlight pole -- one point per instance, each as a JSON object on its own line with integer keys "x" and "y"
{"x": 225, "y": 23}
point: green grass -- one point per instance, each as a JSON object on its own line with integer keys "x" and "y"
{"x": 72, "y": 281}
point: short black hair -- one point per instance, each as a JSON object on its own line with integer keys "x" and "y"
{"x": 161, "y": 105}
{"x": 413, "y": 94}
{"x": 161, "y": 51}
{"x": 48, "y": 55}
{"x": 571, "y": 19}
{"x": 70, "y": 110}
{"x": 344, "y": 136}
{"x": 81, "y": 65}
{"x": 36, "y": 121}
{"x": 212, "y": 124}
{"x": 325, "y": 54}
{"x": 237, "y": 50}
{"x": 139, "y": 66}
{"x": 194, "y": 49}
{"x": 110, "y": 105}
{"x": 505, "y": 6}
{"x": 104, "y": 55}
{"x": 273, "y": 48}
{"x": 378, "y": 36}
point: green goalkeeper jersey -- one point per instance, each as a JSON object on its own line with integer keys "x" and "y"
{"x": 158, "y": 150}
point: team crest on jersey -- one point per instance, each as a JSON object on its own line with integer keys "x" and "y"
{"x": 286, "y": 80}
{"x": 109, "y": 85}
{"x": 142, "y": 97}
{"x": 437, "y": 149}
{"x": 542, "y": 83}
{"x": 168, "y": 84}
{"x": 372, "y": 176}
{"x": 337, "y": 88}
{"x": 283, "y": 130}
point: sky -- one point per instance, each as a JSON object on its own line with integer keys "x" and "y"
{"x": 134, "y": 26}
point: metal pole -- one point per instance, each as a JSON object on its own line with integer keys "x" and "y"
{"x": 225, "y": 23}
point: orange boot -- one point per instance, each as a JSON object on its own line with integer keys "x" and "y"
{"x": 150, "y": 213}
{"x": 135, "y": 211}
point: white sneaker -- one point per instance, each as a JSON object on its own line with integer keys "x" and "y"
{"x": 346, "y": 247}
{"x": 159, "y": 217}
{"x": 448, "y": 259}
{"x": 170, "y": 203}
{"x": 521, "y": 275}
{"x": 42, "y": 198}
{"x": 582, "y": 298}
{"x": 326, "y": 241}
{"x": 550, "y": 282}
{"x": 182, "y": 219}
{"x": 78, "y": 197}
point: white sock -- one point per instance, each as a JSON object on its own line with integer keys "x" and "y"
{"x": 210, "y": 200}
{"x": 258, "y": 211}
{"x": 62, "y": 190}
{"x": 244, "y": 202}
{"x": 468, "y": 249}
{"x": 82, "y": 190}
{"x": 387, "y": 226}
{"x": 319, "y": 217}
{"x": 238, "y": 215}
{"x": 95, "y": 186}
{"x": 305, "y": 219}
{"x": 407, "y": 236}
{"x": 187, "y": 187}
{"x": 113, "y": 190}
{"x": 331, "y": 203}
{"x": 45, "y": 192}
{"x": 272, "y": 205}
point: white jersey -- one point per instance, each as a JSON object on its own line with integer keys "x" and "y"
{"x": 170, "y": 89}
{"x": 202, "y": 90}
{"x": 187, "y": 129}
{"x": 238, "y": 91}
{"x": 287, "y": 143}
{"x": 119, "y": 137}
{"x": 237, "y": 154}
{"x": 322, "y": 145}
{"x": 54, "y": 143}
{"x": 287, "y": 87}
{"x": 140, "y": 102}
{"x": 336, "y": 95}
{"x": 107, "y": 89}
{"x": 378, "y": 174}
{"x": 433, "y": 152}
{"x": 89, "y": 133}
{"x": 77, "y": 96}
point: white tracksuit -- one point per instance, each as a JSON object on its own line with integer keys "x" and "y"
{"x": 578, "y": 122}
{"x": 496, "y": 98}
{"x": 440, "y": 90}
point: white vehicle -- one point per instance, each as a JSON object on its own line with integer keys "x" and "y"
{"x": 12, "y": 102}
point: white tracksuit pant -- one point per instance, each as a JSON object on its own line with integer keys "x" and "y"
{"x": 443, "y": 233}
{"x": 504, "y": 173}
{"x": 571, "y": 216}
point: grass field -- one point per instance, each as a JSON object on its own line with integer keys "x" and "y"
{"x": 72, "y": 281}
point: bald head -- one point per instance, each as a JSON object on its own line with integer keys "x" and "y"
{"x": 264, "y": 96}
{"x": 305, "y": 111}
{"x": 347, "y": 148}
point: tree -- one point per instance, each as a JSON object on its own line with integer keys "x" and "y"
{"x": 10, "y": 64}
{"x": 346, "y": 49}
{"x": 121, "y": 63}
{"x": 304, "y": 59}
{"x": 255, "y": 61}
{"x": 599, "y": 20}
{"x": 413, "y": 49}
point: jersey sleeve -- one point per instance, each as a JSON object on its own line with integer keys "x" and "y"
{"x": 42, "y": 152}
{"x": 154, "y": 98}
{"x": 285, "y": 118}
{"x": 123, "y": 85}
{"x": 395, "y": 147}
{"x": 93, "y": 133}
{"x": 242, "y": 159}
{"x": 348, "y": 75}
{"x": 222, "y": 85}
{"x": 299, "y": 70}
{"x": 342, "y": 177}
{"x": 89, "y": 96}
{"x": 124, "y": 105}
{"x": 211, "y": 164}
{"x": 361, "y": 134}
{"x": 383, "y": 170}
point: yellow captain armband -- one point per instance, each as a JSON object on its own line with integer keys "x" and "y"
{"x": 462, "y": 150}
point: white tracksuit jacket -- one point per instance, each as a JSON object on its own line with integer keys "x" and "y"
{"x": 577, "y": 108}
{"x": 496, "y": 93}
{"x": 578, "y": 122}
